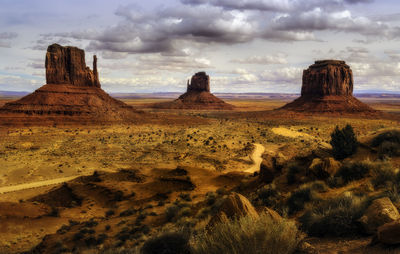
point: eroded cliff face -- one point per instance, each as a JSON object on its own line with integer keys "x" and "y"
{"x": 200, "y": 82}
{"x": 66, "y": 65}
{"x": 328, "y": 77}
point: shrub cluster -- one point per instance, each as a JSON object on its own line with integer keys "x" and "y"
{"x": 344, "y": 142}
{"x": 334, "y": 217}
{"x": 250, "y": 236}
{"x": 388, "y": 143}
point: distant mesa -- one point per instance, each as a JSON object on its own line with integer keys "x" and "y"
{"x": 328, "y": 87}
{"x": 197, "y": 96}
{"x": 72, "y": 93}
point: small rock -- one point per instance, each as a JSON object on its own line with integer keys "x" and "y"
{"x": 380, "y": 212}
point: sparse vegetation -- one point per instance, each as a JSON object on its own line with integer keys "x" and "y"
{"x": 344, "y": 142}
{"x": 352, "y": 171}
{"x": 305, "y": 193}
{"x": 249, "y": 235}
{"x": 168, "y": 243}
{"x": 293, "y": 169}
{"x": 334, "y": 217}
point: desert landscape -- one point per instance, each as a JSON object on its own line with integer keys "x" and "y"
{"x": 200, "y": 127}
{"x": 116, "y": 184}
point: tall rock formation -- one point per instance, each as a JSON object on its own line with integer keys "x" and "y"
{"x": 67, "y": 65}
{"x": 72, "y": 94}
{"x": 197, "y": 96}
{"x": 200, "y": 82}
{"x": 328, "y": 87}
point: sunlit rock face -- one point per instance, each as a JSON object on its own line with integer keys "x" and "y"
{"x": 66, "y": 65}
{"x": 200, "y": 82}
{"x": 328, "y": 88}
{"x": 327, "y": 77}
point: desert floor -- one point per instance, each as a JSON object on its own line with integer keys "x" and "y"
{"x": 219, "y": 152}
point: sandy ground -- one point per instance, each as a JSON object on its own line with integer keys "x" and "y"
{"x": 256, "y": 157}
{"x": 221, "y": 153}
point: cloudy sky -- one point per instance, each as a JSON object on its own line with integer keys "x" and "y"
{"x": 245, "y": 45}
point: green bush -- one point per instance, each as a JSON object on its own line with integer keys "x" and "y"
{"x": 250, "y": 236}
{"x": 352, "y": 171}
{"x": 344, "y": 142}
{"x": 334, "y": 217}
{"x": 167, "y": 243}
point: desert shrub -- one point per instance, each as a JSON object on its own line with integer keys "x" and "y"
{"x": 110, "y": 213}
{"x": 203, "y": 213}
{"x": 127, "y": 212}
{"x": 185, "y": 212}
{"x": 389, "y": 149}
{"x": 293, "y": 169}
{"x": 352, "y": 171}
{"x": 334, "y": 217}
{"x": 185, "y": 197}
{"x": 304, "y": 194}
{"x": 388, "y": 136}
{"x": 267, "y": 195}
{"x": 344, "y": 142}
{"x": 171, "y": 212}
{"x": 384, "y": 173}
{"x": 167, "y": 243}
{"x": 211, "y": 197}
{"x": 335, "y": 182}
{"x": 249, "y": 235}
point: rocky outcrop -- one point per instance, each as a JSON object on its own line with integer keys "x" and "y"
{"x": 389, "y": 233}
{"x": 200, "y": 82}
{"x": 328, "y": 77}
{"x": 67, "y": 65}
{"x": 328, "y": 87}
{"x": 380, "y": 212}
{"x": 197, "y": 96}
{"x": 72, "y": 94}
{"x": 234, "y": 207}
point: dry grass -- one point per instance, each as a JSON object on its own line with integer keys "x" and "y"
{"x": 250, "y": 236}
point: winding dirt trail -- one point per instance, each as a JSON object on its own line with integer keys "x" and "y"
{"x": 25, "y": 186}
{"x": 256, "y": 158}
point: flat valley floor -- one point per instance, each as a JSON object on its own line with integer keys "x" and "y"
{"x": 217, "y": 152}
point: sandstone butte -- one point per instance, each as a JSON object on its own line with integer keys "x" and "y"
{"x": 328, "y": 87}
{"x": 72, "y": 94}
{"x": 197, "y": 96}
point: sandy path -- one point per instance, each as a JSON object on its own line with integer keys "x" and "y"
{"x": 256, "y": 158}
{"x": 36, "y": 184}
{"x": 296, "y": 134}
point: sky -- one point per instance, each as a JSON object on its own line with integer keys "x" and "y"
{"x": 244, "y": 45}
